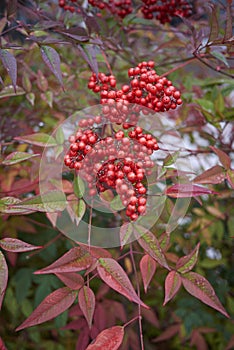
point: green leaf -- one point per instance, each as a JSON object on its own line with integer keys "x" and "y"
{"x": 220, "y": 57}
{"x": 78, "y": 186}
{"x": 116, "y": 203}
{"x": 39, "y": 139}
{"x": 59, "y": 136}
{"x": 206, "y": 105}
{"x": 9, "y": 91}
{"x": 171, "y": 158}
{"x": 17, "y": 157}
{"x": 48, "y": 202}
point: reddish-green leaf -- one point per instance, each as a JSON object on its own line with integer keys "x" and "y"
{"x": 200, "y": 288}
{"x": 230, "y": 177}
{"x": 214, "y": 175}
{"x": 186, "y": 263}
{"x": 223, "y": 157}
{"x": 52, "y": 306}
{"x": 229, "y": 22}
{"x": 214, "y": 25}
{"x": 52, "y": 59}
{"x": 86, "y": 300}
{"x": 71, "y": 279}
{"x": 198, "y": 340}
{"x": 115, "y": 277}
{"x": 3, "y": 277}
{"x": 48, "y": 202}
{"x": 148, "y": 268}
{"x": 39, "y": 139}
{"x": 172, "y": 285}
{"x": 109, "y": 339}
{"x": 150, "y": 244}
{"x": 76, "y": 259}
{"x": 187, "y": 190}
{"x": 125, "y": 234}
{"x": 9, "y": 62}
{"x": 17, "y": 157}
{"x": 16, "y": 245}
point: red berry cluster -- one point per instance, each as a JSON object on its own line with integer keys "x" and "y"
{"x": 146, "y": 88}
{"x": 120, "y": 7}
{"x": 67, "y": 5}
{"x": 165, "y": 10}
{"x": 118, "y": 163}
{"x": 81, "y": 145}
{"x": 125, "y": 176}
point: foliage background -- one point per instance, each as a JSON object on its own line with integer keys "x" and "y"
{"x": 204, "y": 74}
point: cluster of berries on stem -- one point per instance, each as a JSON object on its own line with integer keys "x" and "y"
{"x": 165, "y": 10}
{"x": 162, "y": 10}
{"x": 120, "y": 160}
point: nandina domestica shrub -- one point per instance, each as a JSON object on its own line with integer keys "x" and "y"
{"x": 116, "y": 175}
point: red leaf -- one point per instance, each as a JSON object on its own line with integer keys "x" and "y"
{"x": 150, "y": 244}
{"x": 214, "y": 175}
{"x": 230, "y": 345}
{"x": 186, "y": 263}
{"x": 198, "y": 340}
{"x": 115, "y": 277}
{"x": 109, "y": 339}
{"x": 2, "y": 345}
{"x": 96, "y": 252}
{"x": 86, "y": 300}
{"x": 172, "y": 285}
{"x": 76, "y": 259}
{"x": 3, "y": 277}
{"x": 83, "y": 340}
{"x": 223, "y": 157}
{"x": 168, "y": 333}
{"x": 9, "y": 62}
{"x": 187, "y": 190}
{"x": 53, "y": 305}
{"x": 71, "y": 279}
{"x": 148, "y": 268}
{"x": 200, "y": 288}
{"x": 16, "y": 245}
{"x": 52, "y": 59}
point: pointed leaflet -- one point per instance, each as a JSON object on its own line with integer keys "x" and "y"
{"x": 187, "y": 190}
{"x": 229, "y": 23}
{"x": 2, "y": 345}
{"x": 230, "y": 177}
{"x": 17, "y": 157}
{"x": 125, "y": 234}
{"x": 9, "y": 62}
{"x": 200, "y": 288}
{"x": 168, "y": 333}
{"x": 115, "y": 277}
{"x": 38, "y": 139}
{"x": 71, "y": 279}
{"x": 16, "y": 245}
{"x": 150, "y": 244}
{"x": 186, "y": 263}
{"x": 3, "y": 277}
{"x": 48, "y": 202}
{"x": 52, "y": 59}
{"x": 109, "y": 339}
{"x": 214, "y": 175}
{"x": 52, "y": 306}
{"x": 76, "y": 259}
{"x": 223, "y": 157}
{"x": 148, "y": 268}
{"x": 172, "y": 285}
{"x": 86, "y": 301}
